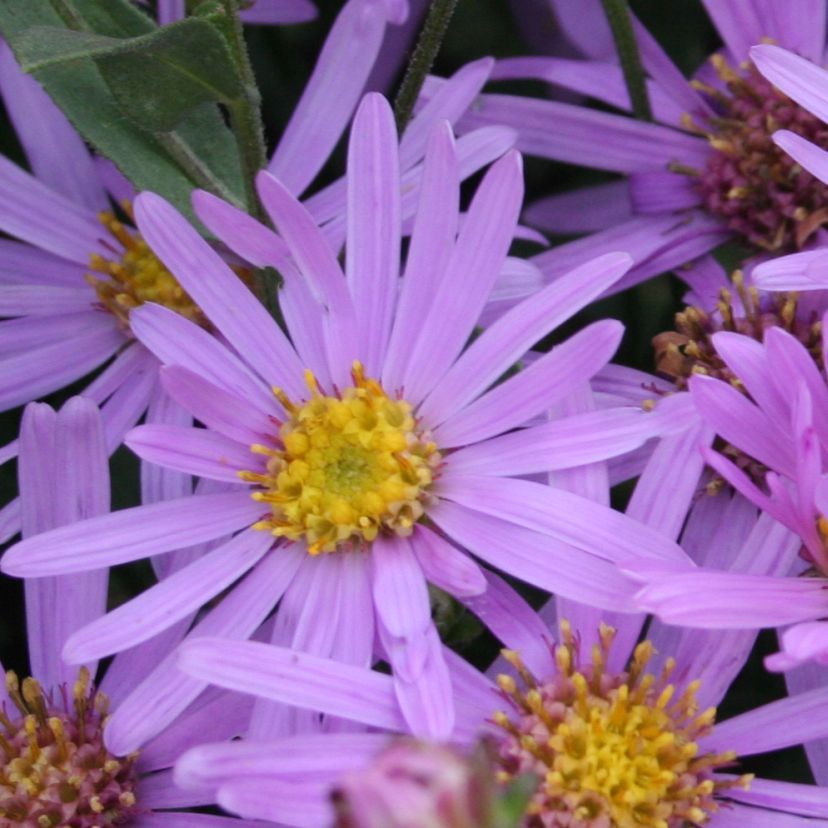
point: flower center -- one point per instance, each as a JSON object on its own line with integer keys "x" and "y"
{"x": 619, "y": 750}
{"x": 349, "y": 467}
{"x": 56, "y": 770}
{"x": 754, "y": 186}
{"x": 689, "y": 348}
{"x": 135, "y": 275}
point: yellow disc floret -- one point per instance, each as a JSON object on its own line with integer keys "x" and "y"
{"x": 610, "y": 750}
{"x": 135, "y": 275}
{"x": 350, "y": 466}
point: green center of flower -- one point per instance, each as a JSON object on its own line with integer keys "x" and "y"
{"x": 55, "y": 770}
{"x": 349, "y": 467}
{"x": 615, "y": 750}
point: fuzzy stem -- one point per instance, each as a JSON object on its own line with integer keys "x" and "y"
{"x": 618, "y": 17}
{"x": 428, "y": 44}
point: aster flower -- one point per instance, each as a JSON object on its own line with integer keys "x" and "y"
{"x": 52, "y": 212}
{"x": 804, "y": 82}
{"x": 72, "y": 279}
{"x": 245, "y": 777}
{"x": 704, "y": 171}
{"x": 619, "y": 732}
{"x": 780, "y": 425}
{"x": 57, "y": 766}
{"x": 385, "y": 449}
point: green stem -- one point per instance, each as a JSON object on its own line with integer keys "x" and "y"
{"x": 428, "y": 44}
{"x": 246, "y": 121}
{"x": 618, "y": 17}
{"x": 245, "y": 114}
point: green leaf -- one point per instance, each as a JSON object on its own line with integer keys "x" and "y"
{"x": 156, "y": 78}
{"x": 510, "y": 805}
{"x": 115, "y": 18}
{"x": 81, "y": 92}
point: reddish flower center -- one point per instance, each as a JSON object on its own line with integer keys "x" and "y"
{"x": 755, "y": 187}
{"x": 55, "y": 771}
{"x": 689, "y": 349}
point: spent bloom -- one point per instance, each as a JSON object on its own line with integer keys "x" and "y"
{"x": 56, "y": 767}
{"x": 371, "y": 450}
{"x": 705, "y": 170}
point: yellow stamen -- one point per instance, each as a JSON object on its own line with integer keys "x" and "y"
{"x": 617, "y": 750}
{"x": 136, "y": 275}
{"x": 350, "y": 466}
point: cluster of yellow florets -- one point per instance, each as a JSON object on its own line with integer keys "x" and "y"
{"x": 54, "y": 768}
{"x": 610, "y": 750}
{"x": 350, "y": 466}
{"x": 137, "y": 276}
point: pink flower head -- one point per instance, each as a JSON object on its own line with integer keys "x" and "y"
{"x": 64, "y": 761}
{"x": 705, "y": 169}
{"x": 390, "y": 448}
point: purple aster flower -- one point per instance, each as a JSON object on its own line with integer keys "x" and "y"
{"x": 594, "y": 717}
{"x": 386, "y": 447}
{"x": 660, "y": 500}
{"x": 770, "y": 408}
{"x": 803, "y": 82}
{"x": 58, "y": 768}
{"x": 705, "y": 170}
{"x": 71, "y": 281}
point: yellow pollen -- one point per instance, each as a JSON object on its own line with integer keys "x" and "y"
{"x": 613, "y": 750}
{"x": 349, "y": 467}
{"x": 54, "y": 768}
{"x": 135, "y": 275}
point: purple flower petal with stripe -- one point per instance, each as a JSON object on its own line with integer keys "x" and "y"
{"x": 64, "y": 478}
{"x": 335, "y": 464}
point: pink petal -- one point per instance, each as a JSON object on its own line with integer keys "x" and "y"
{"x": 296, "y": 678}
{"x": 131, "y": 534}
{"x": 170, "y": 600}
{"x": 373, "y": 245}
